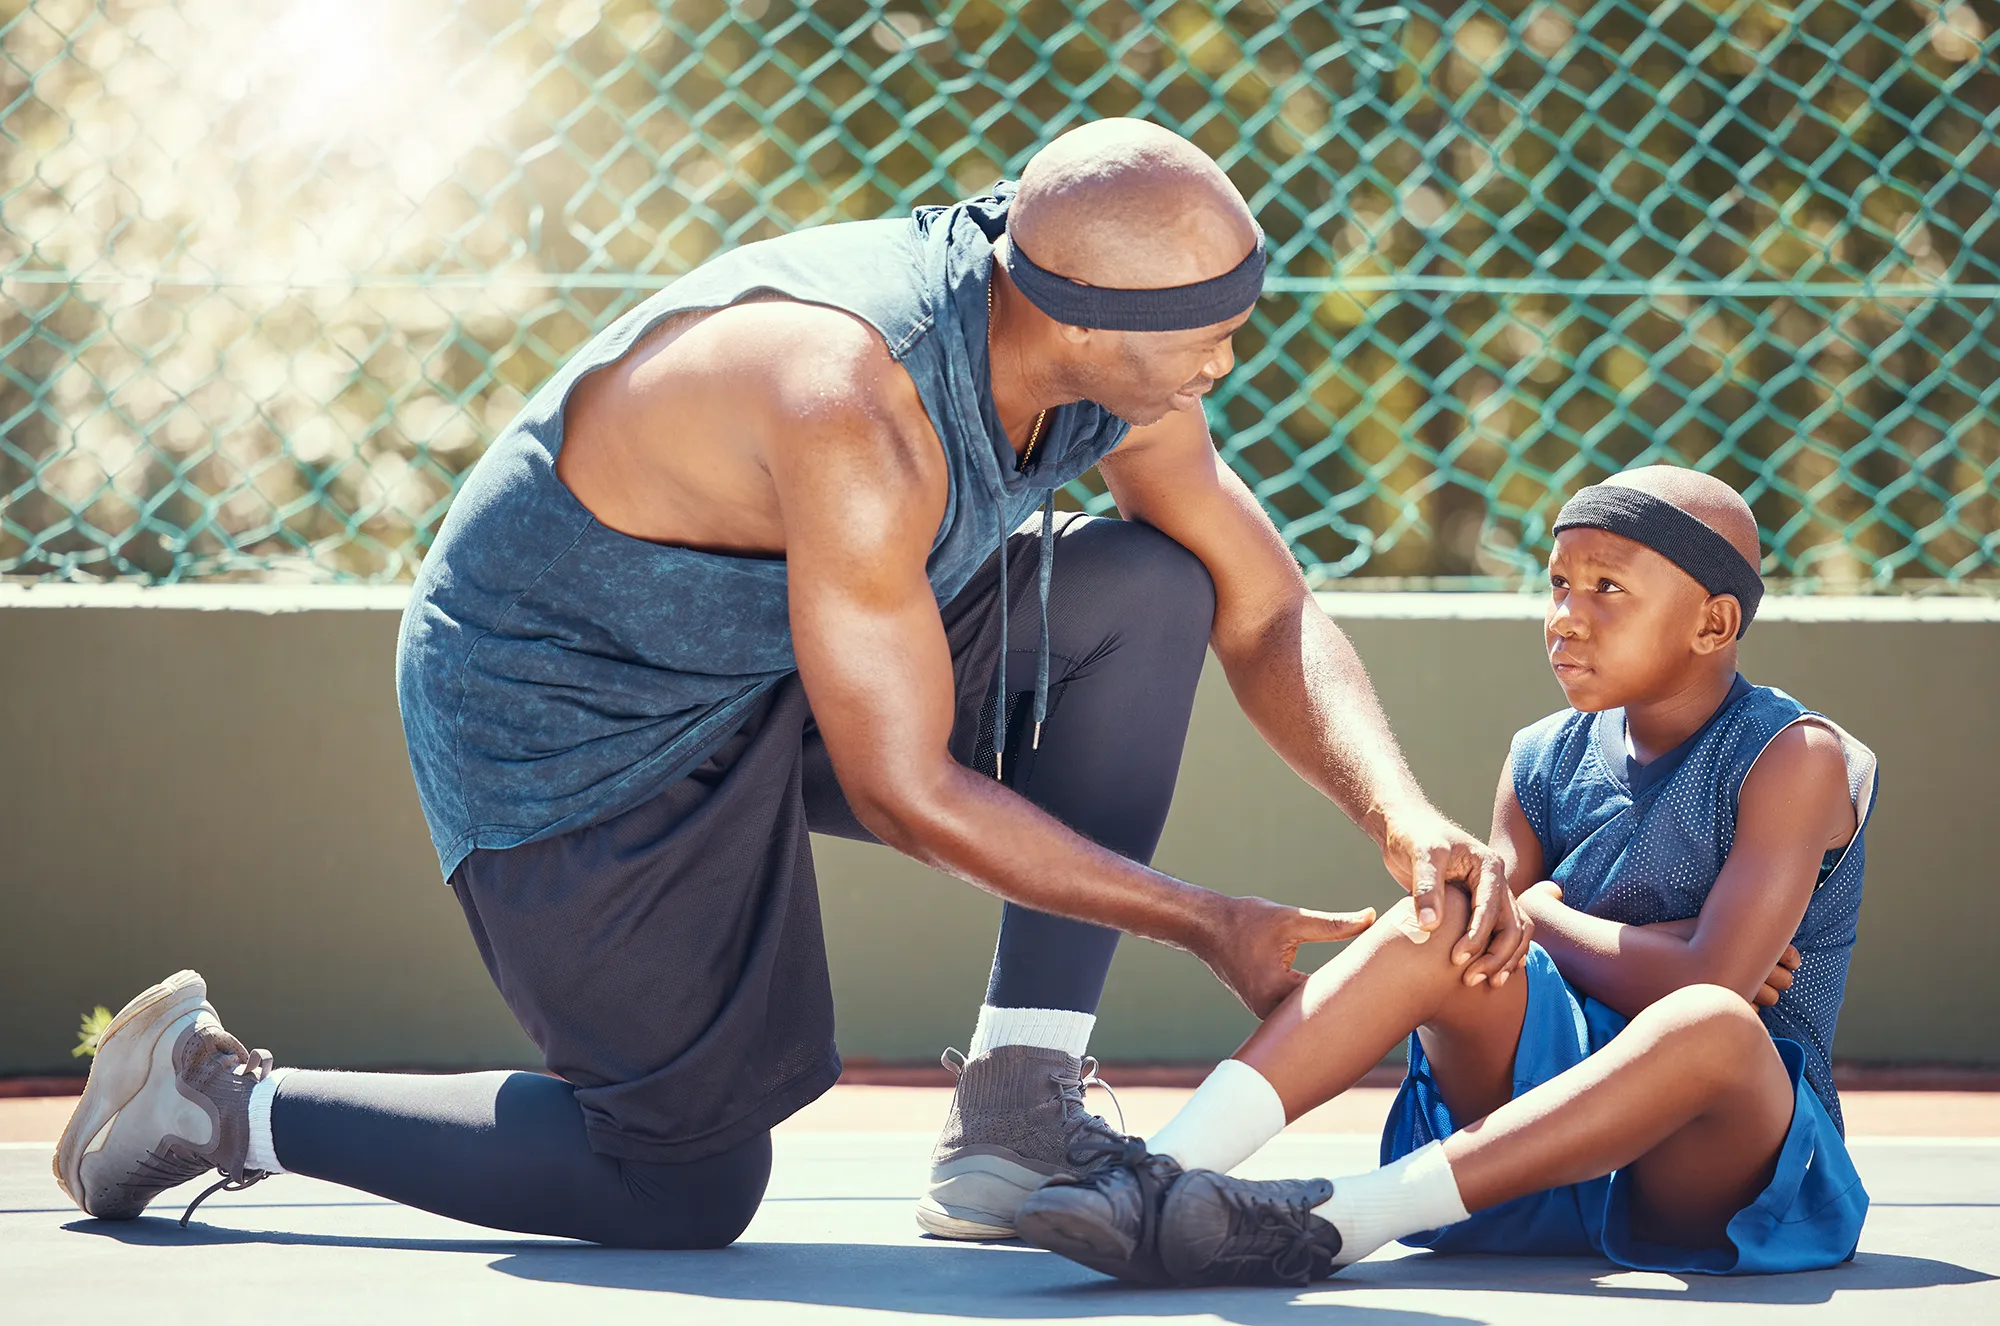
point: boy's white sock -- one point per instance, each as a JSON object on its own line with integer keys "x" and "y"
{"x": 1233, "y": 1113}
{"x": 262, "y": 1154}
{"x": 1047, "y": 1028}
{"x": 1381, "y": 1206}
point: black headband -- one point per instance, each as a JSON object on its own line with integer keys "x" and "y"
{"x": 1168, "y": 308}
{"x": 1671, "y": 532}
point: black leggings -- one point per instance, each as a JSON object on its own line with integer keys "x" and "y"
{"x": 508, "y": 1150}
{"x": 1129, "y": 617}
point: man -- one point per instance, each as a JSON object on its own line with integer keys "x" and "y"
{"x": 745, "y": 569}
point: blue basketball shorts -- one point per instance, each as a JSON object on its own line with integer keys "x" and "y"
{"x": 1807, "y": 1218}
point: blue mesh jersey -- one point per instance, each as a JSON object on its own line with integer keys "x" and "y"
{"x": 1643, "y": 843}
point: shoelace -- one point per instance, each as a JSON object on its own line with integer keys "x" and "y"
{"x": 1098, "y": 1157}
{"x": 1280, "y": 1230}
{"x": 1094, "y": 1154}
{"x": 1072, "y": 1088}
{"x": 257, "y": 1069}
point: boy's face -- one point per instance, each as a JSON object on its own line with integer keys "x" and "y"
{"x": 1624, "y": 624}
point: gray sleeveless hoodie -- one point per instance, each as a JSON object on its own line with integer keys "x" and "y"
{"x": 553, "y": 672}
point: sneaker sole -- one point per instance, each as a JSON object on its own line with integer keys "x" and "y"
{"x": 116, "y": 1078}
{"x": 1083, "y": 1240}
{"x": 973, "y": 1195}
{"x": 938, "y": 1220}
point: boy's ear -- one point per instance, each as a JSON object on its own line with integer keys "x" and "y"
{"x": 1721, "y": 619}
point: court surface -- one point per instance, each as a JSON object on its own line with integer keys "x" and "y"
{"x": 835, "y": 1242}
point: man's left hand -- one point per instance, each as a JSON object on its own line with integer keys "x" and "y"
{"x": 1427, "y": 852}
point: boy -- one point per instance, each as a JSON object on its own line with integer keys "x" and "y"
{"x": 1655, "y": 1085}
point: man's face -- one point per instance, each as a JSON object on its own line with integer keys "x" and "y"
{"x": 1623, "y": 621}
{"x": 1142, "y": 376}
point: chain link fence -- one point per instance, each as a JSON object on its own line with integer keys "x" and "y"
{"x": 273, "y": 271}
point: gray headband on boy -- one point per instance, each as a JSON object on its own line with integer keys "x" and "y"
{"x": 1671, "y": 532}
{"x": 1106, "y": 308}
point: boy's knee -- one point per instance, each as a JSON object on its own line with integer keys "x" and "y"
{"x": 1718, "y": 1023}
{"x": 1454, "y": 915}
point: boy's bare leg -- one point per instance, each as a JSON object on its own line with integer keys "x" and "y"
{"x": 1384, "y": 985}
{"x": 1691, "y": 1097}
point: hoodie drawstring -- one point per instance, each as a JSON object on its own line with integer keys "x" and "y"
{"x": 1045, "y": 573}
{"x": 1000, "y": 680}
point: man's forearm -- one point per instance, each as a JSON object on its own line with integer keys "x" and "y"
{"x": 979, "y": 831}
{"x": 1304, "y": 688}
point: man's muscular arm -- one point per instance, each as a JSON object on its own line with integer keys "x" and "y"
{"x": 1792, "y": 808}
{"x": 1301, "y": 683}
{"x": 861, "y": 484}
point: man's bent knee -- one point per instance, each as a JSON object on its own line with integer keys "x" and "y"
{"x": 675, "y": 1228}
{"x": 701, "y": 1204}
{"x": 1126, "y": 565}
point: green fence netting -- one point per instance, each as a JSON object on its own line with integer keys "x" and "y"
{"x": 273, "y": 271}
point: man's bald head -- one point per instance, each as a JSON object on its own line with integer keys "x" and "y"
{"x": 1703, "y": 496}
{"x": 1124, "y": 204}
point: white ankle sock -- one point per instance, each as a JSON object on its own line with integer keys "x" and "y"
{"x": 1381, "y": 1206}
{"x": 1047, "y": 1028}
{"x": 1233, "y": 1113}
{"x": 263, "y": 1154}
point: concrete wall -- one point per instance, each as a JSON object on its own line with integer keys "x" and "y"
{"x": 215, "y": 778}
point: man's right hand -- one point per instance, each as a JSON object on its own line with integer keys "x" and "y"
{"x": 1780, "y": 979}
{"x": 1251, "y": 947}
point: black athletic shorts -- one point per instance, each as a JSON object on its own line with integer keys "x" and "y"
{"x": 669, "y": 962}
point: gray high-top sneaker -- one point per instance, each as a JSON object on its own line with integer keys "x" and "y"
{"x": 1017, "y": 1114}
{"x": 1216, "y": 1230}
{"x": 168, "y": 1100}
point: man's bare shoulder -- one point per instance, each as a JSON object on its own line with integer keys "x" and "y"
{"x": 831, "y": 376}
{"x": 851, "y": 448}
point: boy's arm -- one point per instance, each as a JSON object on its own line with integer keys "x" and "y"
{"x": 1793, "y": 807}
{"x": 1513, "y": 840}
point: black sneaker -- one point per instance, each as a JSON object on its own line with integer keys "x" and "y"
{"x": 1106, "y": 1216}
{"x": 1215, "y": 1230}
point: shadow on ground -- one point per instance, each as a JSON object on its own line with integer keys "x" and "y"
{"x": 1602, "y": 1279}
{"x": 1008, "y": 1281}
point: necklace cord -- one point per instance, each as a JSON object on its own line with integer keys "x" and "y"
{"x": 1034, "y": 430}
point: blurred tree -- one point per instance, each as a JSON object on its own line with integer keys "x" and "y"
{"x": 272, "y": 272}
